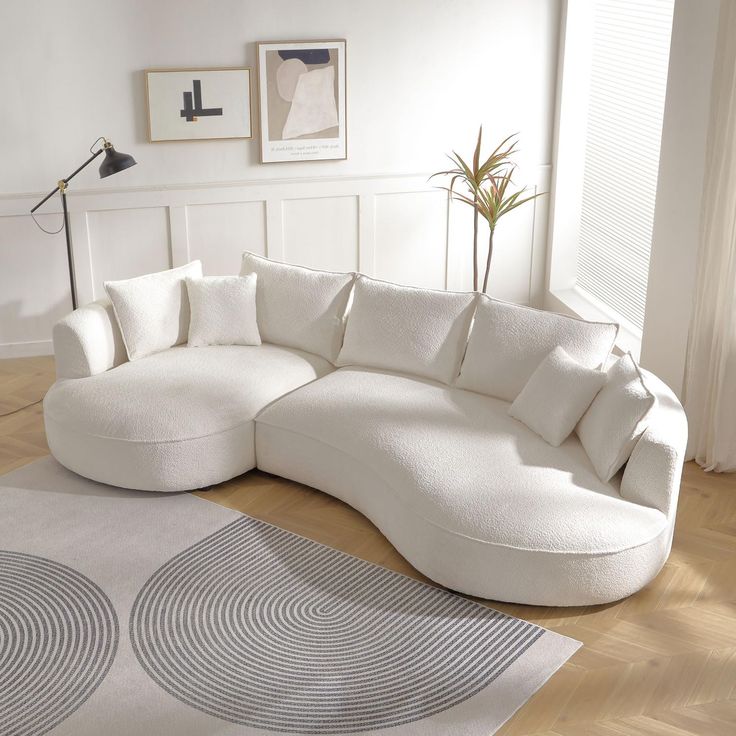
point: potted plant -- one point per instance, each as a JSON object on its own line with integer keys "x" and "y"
{"x": 487, "y": 191}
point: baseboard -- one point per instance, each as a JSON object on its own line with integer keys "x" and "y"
{"x": 26, "y": 349}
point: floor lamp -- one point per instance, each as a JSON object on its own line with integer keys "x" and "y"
{"x": 114, "y": 162}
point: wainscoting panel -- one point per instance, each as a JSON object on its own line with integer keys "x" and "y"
{"x": 219, "y": 233}
{"x": 322, "y": 233}
{"x": 398, "y": 228}
{"x": 127, "y": 243}
{"x": 411, "y": 238}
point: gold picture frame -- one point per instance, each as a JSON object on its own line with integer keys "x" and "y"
{"x": 226, "y": 115}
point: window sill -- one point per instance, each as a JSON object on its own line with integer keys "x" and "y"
{"x": 579, "y": 304}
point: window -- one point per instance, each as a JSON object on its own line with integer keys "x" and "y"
{"x": 614, "y": 81}
{"x": 631, "y": 45}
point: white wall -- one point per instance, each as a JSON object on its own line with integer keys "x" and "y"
{"x": 422, "y": 74}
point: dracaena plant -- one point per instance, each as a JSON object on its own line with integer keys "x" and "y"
{"x": 485, "y": 187}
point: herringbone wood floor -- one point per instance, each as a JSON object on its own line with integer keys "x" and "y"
{"x": 661, "y": 662}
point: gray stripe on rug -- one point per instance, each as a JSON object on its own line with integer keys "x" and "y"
{"x": 58, "y": 637}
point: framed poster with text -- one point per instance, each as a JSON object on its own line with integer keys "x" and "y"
{"x": 301, "y": 87}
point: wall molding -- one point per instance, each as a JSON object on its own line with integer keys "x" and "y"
{"x": 240, "y": 183}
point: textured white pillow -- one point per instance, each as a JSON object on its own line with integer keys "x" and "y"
{"x": 616, "y": 419}
{"x": 421, "y": 332}
{"x": 556, "y": 396}
{"x": 299, "y": 307}
{"x": 153, "y": 310}
{"x": 223, "y": 311}
{"x": 509, "y": 341}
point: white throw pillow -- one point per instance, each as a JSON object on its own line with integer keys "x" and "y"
{"x": 556, "y": 396}
{"x": 616, "y": 419}
{"x": 153, "y": 310}
{"x": 509, "y": 341}
{"x": 421, "y": 332}
{"x": 298, "y": 307}
{"x": 223, "y": 311}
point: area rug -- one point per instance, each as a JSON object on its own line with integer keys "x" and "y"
{"x": 132, "y": 613}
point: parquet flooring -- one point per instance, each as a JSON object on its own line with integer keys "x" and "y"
{"x": 661, "y": 663}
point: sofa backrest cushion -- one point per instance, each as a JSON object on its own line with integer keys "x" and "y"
{"x": 618, "y": 416}
{"x": 153, "y": 310}
{"x": 299, "y": 307}
{"x": 509, "y": 341}
{"x": 421, "y": 332}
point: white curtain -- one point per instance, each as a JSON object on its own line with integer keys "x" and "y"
{"x": 710, "y": 378}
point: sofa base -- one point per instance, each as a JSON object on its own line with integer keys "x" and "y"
{"x": 179, "y": 465}
{"x": 461, "y": 563}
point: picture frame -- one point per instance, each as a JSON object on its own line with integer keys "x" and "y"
{"x": 199, "y": 104}
{"x": 302, "y": 88}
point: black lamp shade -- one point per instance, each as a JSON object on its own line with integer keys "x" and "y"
{"x": 115, "y": 162}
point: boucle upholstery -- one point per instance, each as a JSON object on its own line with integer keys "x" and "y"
{"x": 88, "y": 341}
{"x": 652, "y": 474}
{"x": 421, "y": 332}
{"x": 466, "y": 493}
{"x": 300, "y": 307}
{"x": 462, "y": 563}
{"x": 618, "y": 416}
{"x": 394, "y": 423}
{"x": 137, "y": 426}
{"x": 509, "y": 341}
{"x": 471, "y": 498}
{"x": 223, "y": 311}
{"x": 556, "y": 396}
{"x": 153, "y": 310}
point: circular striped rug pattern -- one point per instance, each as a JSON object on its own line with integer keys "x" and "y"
{"x": 58, "y": 638}
{"x": 258, "y": 626}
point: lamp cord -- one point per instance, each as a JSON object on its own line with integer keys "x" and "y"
{"x": 21, "y": 408}
{"x": 101, "y": 138}
{"x": 41, "y": 227}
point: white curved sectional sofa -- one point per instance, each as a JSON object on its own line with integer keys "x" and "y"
{"x": 376, "y": 416}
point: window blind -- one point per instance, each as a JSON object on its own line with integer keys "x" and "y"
{"x": 631, "y": 45}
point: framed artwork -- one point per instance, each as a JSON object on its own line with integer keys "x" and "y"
{"x": 198, "y": 104}
{"x": 301, "y": 89}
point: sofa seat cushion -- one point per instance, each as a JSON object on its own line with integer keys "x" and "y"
{"x": 459, "y": 462}
{"x": 182, "y": 392}
{"x": 176, "y": 420}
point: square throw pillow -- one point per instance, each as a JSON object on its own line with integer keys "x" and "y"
{"x": 153, "y": 310}
{"x": 421, "y": 332}
{"x": 616, "y": 419}
{"x": 556, "y": 396}
{"x": 223, "y": 311}
{"x": 299, "y": 307}
{"x": 509, "y": 341}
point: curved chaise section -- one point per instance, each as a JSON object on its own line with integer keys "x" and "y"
{"x": 469, "y": 496}
{"x": 174, "y": 421}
